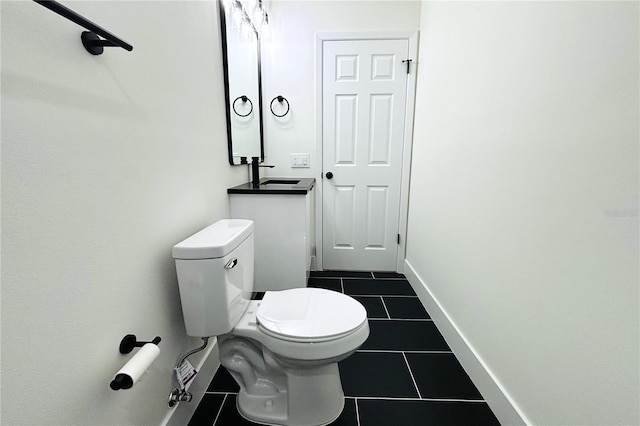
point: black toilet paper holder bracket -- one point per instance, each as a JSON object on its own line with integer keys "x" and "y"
{"x": 130, "y": 341}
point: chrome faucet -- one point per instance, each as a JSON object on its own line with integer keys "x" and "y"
{"x": 255, "y": 171}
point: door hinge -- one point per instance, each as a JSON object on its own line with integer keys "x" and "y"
{"x": 398, "y": 239}
{"x": 408, "y": 61}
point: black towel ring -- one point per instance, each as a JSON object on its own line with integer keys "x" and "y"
{"x": 279, "y": 99}
{"x": 244, "y": 100}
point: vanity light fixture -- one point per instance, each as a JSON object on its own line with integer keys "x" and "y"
{"x": 249, "y": 17}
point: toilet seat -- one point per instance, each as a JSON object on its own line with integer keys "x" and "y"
{"x": 275, "y": 331}
{"x": 309, "y": 315}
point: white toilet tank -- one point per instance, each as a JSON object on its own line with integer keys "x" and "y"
{"x": 215, "y": 276}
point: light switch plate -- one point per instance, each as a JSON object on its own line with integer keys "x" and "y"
{"x": 300, "y": 160}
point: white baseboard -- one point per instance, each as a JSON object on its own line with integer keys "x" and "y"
{"x": 503, "y": 406}
{"x": 207, "y": 367}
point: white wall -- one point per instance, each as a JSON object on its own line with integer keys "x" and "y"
{"x": 523, "y": 219}
{"x": 289, "y": 67}
{"x": 107, "y": 161}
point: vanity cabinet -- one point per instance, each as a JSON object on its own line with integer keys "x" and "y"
{"x": 284, "y": 230}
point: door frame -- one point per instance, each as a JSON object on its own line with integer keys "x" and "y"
{"x": 412, "y": 37}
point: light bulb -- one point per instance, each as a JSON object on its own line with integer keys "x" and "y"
{"x": 236, "y": 16}
{"x": 265, "y": 31}
{"x": 258, "y": 18}
{"x": 265, "y": 28}
{"x": 246, "y": 32}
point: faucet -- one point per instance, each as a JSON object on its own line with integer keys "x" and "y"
{"x": 255, "y": 173}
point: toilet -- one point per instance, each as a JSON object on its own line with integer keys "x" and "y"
{"x": 282, "y": 350}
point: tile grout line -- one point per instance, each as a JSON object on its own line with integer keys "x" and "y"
{"x": 358, "y": 278}
{"x": 384, "y": 305}
{"x": 411, "y": 374}
{"x": 402, "y": 319}
{"x": 460, "y": 400}
{"x": 357, "y": 411}
{"x": 342, "y": 286}
{"x": 220, "y": 409}
{"x": 392, "y": 398}
{"x": 391, "y": 351}
{"x": 385, "y": 295}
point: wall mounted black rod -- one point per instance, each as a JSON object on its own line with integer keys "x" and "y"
{"x": 84, "y": 22}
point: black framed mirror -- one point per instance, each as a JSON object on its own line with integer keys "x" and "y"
{"x": 242, "y": 85}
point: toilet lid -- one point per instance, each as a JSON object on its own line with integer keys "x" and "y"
{"x": 309, "y": 314}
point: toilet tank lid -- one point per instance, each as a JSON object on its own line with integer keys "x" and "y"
{"x": 215, "y": 240}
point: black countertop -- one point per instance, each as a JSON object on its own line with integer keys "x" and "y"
{"x": 278, "y": 186}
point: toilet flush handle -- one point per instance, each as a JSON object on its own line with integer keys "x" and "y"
{"x": 231, "y": 264}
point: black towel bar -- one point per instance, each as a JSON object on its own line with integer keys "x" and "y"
{"x": 90, "y": 40}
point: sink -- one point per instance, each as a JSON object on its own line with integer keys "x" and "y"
{"x": 280, "y": 182}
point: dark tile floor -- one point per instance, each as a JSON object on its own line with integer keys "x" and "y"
{"x": 404, "y": 374}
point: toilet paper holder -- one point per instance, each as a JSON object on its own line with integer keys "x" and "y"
{"x": 129, "y": 374}
{"x": 130, "y": 341}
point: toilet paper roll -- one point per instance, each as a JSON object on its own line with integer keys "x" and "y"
{"x": 128, "y": 375}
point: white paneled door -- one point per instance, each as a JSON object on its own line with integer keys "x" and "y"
{"x": 364, "y": 90}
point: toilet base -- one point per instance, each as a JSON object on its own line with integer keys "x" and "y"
{"x": 314, "y": 398}
{"x": 274, "y": 394}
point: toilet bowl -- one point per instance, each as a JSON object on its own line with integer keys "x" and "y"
{"x": 282, "y": 350}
